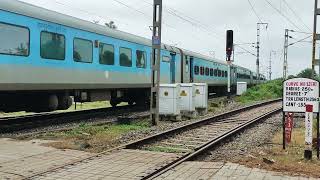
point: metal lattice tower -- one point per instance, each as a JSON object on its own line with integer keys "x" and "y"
{"x": 156, "y": 52}
{"x": 258, "y": 47}
{"x": 316, "y": 37}
{"x": 285, "y": 54}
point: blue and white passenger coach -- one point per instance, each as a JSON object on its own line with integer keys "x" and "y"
{"x": 46, "y": 57}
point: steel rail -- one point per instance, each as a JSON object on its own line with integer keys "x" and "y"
{"x": 203, "y": 148}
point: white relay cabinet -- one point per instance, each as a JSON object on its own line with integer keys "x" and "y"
{"x": 201, "y": 100}
{"x": 187, "y": 97}
{"x": 169, "y": 95}
{"x": 241, "y": 88}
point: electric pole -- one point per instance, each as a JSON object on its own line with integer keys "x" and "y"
{"x": 258, "y": 47}
{"x": 285, "y": 54}
{"x": 315, "y": 37}
{"x": 156, "y": 54}
{"x": 270, "y": 65}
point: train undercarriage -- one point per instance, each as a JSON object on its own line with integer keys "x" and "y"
{"x": 47, "y": 101}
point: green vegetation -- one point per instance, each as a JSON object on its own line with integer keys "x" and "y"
{"x": 93, "y": 138}
{"x": 84, "y": 130}
{"x": 265, "y": 91}
{"x": 306, "y": 73}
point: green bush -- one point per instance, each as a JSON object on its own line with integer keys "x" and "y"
{"x": 270, "y": 90}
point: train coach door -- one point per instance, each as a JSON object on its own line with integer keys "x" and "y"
{"x": 233, "y": 75}
{"x": 191, "y": 70}
{"x": 186, "y": 69}
{"x": 173, "y": 68}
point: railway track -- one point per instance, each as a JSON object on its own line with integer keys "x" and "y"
{"x": 30, "y": 122}
{"x": 194, "y": 139}
{"x": 191, "y": 140}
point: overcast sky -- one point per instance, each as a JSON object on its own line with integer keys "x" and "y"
{"x": 200, "y": 25}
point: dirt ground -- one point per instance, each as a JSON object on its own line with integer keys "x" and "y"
{"x": 291, "y": 161}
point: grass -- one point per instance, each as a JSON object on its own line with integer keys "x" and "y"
{"x": 92, "y": 138}
{"x": 266, "y": 91}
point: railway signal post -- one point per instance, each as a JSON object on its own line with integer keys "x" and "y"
{"x": 229, "y": 51}
{"x": 156, "y": 54}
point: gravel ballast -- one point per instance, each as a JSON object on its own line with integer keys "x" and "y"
{"x": 251, "y": 140}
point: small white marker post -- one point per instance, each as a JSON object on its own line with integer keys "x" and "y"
{"x": 308, "y": 133}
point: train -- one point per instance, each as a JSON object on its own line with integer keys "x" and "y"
{"x": 48, "y": 59}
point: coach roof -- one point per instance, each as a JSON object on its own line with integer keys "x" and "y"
{"x": 33, "y": 11}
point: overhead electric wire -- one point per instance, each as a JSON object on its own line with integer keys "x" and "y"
{"x": 254, "y": 11}
{"x": 195, "y": 22}
{"x": 188, "y": 19}
{"x": 301, "y": 40}
{"x": 296, "y": 15}
{"x": 192, "y": 21}
{"x": 300, "y": 32}
{"x": 283, "y": 15}
{"x": 117, "y": 1}
{"x": 247, "y": 51}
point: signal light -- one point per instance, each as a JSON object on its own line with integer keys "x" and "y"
{"x": 229, "y": 46}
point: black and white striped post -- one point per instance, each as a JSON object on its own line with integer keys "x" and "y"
{"x": 308, "y": 132}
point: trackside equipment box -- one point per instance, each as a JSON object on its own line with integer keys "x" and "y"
{"x": 187, "y": 98}
{"x": 241, "y": 88}
{"x": 201, "y": 99}
{"x": 169, "y": 99}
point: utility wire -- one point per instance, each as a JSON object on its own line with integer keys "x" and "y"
{"x": 247, "y": 51}
{"x": 192, "y": 21}
{"x": 254, "y": 11}
{"x": 300, "y": 32}
{"x": 283, "y": 15}
{"x": 296, "y": 15}
{"x": 301, "y": 40}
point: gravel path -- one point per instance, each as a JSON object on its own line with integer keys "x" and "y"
{"x": 167, "y": 125}
{"x": 251, "y": 140}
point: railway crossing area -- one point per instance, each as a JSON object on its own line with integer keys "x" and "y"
{"x": 172, "y": 154}
{"x": 20, "y": 160}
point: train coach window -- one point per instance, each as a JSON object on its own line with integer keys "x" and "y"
{"x": 222, "y": 74}
{"x": 215, "y": 72}
{"x": 52, "y": 46}
{"x": 141, "y": 59}
{"x": 82, "y": 50}
{"x": 211, "y": 72}
{"x": 106, "y": 54}
{"x": 165, "y": 59}
{"x": 202, "y": 71}
{"x": 14, "y": 40}
{"x": 219, "y": 73}
{"x": 226, "y": 73}
{"x": 125, "y": 57}
{"x": 207, "y": 72}
{"x": 196, "y": 70}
